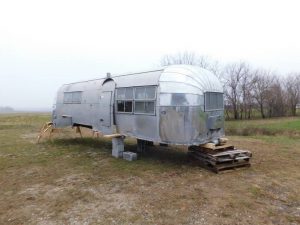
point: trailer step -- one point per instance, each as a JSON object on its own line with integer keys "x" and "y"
{"x": 222, "y": 158}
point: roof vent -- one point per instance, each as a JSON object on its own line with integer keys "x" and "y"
{"x": 108, "y": 75}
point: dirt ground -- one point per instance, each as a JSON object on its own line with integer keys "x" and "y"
{"x": 76, "y": 181}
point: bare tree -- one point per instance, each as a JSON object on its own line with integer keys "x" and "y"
{"x": 275, "y": 99}
{"x": 247, "y": 84}
{"x": 188, "y": 58}
{"x": 263, "y": 80}
{"x": 235, "y": 79}
{"x": 292, "y": 86}
{"x": 246, "y": 89}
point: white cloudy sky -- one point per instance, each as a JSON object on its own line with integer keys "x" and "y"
{"x": 44, "y": 44}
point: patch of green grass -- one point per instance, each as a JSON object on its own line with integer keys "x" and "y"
{"x": 285, "y": 141}
{"x": 288, "y": 126}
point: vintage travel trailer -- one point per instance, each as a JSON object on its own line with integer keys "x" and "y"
{"x": 178, "y": 104}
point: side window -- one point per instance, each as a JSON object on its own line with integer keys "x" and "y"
{"x": 141, "y": 99}
{"x": 124, "y": 99}
{"x": 213, "y": 101}
{"x": 144, "y": 100}
{"x": 76, "y": 97}
{"x": 68, "y": 97}
{"x": 73, "y": 97}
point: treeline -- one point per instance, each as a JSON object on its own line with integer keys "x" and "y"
{"x": 248, "y": 91}
{"x": 6, "y": 109}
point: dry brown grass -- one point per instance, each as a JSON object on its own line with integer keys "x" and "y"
{"x": 76, "y": 181}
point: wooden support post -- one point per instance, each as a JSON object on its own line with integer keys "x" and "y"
{"x": 50, "y": 134}
{"x": 44, "y": 129}
{"x": 78, "y": 130}
{"x": 96, "y": 134}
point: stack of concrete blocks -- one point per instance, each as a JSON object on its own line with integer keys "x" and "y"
{"x": 129, "y": 156}
{"x": 118, "y": 147}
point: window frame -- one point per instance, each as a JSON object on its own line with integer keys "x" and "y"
{"x": 124, "y": 100}
{"x": 145, "y": 99}
{"x": 145, "y": 113}
{"x": 72, "y": 101}
{"x": 214, "y": 109}
{"x": 134, "y": 100}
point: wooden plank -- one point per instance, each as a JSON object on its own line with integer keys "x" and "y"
{"x": 224, "y": 147}
{"x": 231, "y": 166}
{"x": 234, "y": 152}
{"x": 113, "y": 135}
{"x": 208, "y": 146}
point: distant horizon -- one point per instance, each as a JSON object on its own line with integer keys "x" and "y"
{"x": 28, "y": 109}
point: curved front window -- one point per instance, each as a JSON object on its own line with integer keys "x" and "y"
{"x": 181, "y": 99}
{"x": 180, "y": 90}
{"x": 213, "y": 101}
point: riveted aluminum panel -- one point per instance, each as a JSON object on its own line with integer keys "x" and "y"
{"x": 182, "y": 119}
{"x": 187, "y": 125}
{"x": 140, "y": 126}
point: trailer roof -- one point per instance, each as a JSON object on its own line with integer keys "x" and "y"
{"x": 192, "y": 76}
{"x": 176, "y": 75}
{"x": 117, "y": 75}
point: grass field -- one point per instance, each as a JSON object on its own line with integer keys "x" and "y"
{"x": 287, "y": 126}
{"x": 76, "y": 181}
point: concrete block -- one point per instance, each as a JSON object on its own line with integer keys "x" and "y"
{"x": 129, "y": 156}
{"x": 117, "y": 147}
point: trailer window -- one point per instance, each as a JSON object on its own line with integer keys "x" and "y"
{"x": 120, "y": 106}
{"x": 181, "y": 99}
{"x": 68, "y": 97}
{"x": 144, "y": 107}
{"x": 213, "y": 101}
{"x": 142, "y": 99}
{"x": 128, "y": 106}
{"x": 73, "y": 97}
{"x": 124, "y": 106}
{"x": 124, "y": 100}
{"x": 139, "y": 93}
{"x": 125, "y": 93}
{"x": 145, "y": 92}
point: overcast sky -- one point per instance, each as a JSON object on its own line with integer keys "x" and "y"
{"x": 44, "y": 44}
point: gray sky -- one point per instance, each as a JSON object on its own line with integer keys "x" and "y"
{"x": 44, "y": 44}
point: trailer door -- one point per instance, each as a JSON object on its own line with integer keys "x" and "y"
{"x": 106, "y": 107}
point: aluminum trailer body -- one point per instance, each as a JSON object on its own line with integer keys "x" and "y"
{"x": 179, "y": 104}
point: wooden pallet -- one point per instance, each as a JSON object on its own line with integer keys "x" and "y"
{"x": 221, "y": 159}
